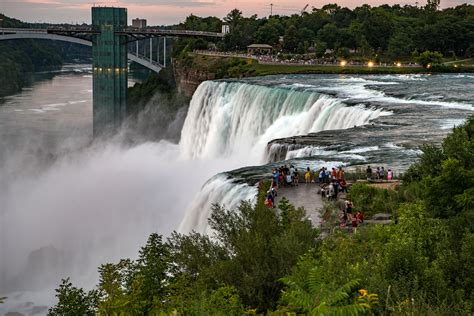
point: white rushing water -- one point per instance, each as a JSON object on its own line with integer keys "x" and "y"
{"x": 64, "y": 214}
{"x": 235, "y": 121}
{"x": 238, "y": 119}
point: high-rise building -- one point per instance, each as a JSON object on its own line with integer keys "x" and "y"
{"x": 139, "y": 23}
{"x": 110, "y": 68}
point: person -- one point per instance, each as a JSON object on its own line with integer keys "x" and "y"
{"x": 271, "y": 198}
{"x": 360, "y": 216}
{"x": 382, "y": 173}
{"x": 331, "y": 191}
{"x": 349, "y": 208}
{"x": 354, "y": 224}
{"x": 327, "y": 175}
{"x": 377, "y": 173}
{"x": 333, "y": 174}
{"x": 389, "y": 174}
{"x": 276, "y": 176}
{"x": 289, "y": 179}
{"x": 369, "y": 173}
{"x": 274, "y": 186}
{"x": 336, "y": 188}
{"x": 343, "y": 185}
{"x": 292, "y": 171}
{"x": 296, "y": 177}
{"x": 340, "y": 174}
{"x": 343, "y": 223}
{"x": 322, "y": 174}
{"x": 307, "y": 176}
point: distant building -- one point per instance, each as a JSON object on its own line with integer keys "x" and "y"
{"x": 225, "y": 29}
{"x": 259, "y": 49}
{"x": 139, "y": 23}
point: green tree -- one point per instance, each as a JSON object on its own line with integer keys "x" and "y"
{"x": 290, "y": 40}
{"x": 428, "y": 58}
{"x": 73, "y": 301}
{"x": 267, "y": 34}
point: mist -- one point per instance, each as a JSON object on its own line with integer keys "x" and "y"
{"x": 64, "y": 214}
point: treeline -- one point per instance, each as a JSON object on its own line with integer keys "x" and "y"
{"x": 18, "y": 58}
{"x": 258, "y": 261}
{"x": 382, "y": 33}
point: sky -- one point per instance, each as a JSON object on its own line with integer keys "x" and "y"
{"x": 164, "y": 12}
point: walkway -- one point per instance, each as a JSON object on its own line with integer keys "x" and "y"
{"x": 306, "y": 196}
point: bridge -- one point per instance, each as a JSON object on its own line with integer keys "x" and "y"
{"x": 109, "y": 36}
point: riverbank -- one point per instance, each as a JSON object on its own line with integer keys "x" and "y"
{"x": 219, "y": 67}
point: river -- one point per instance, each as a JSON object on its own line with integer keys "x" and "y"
{"x": 68, "y": 204}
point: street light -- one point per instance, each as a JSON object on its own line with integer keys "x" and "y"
{"x": 370, "y": 64}
{"x": 399, "y": 64}
{"x": 343, "y": 63}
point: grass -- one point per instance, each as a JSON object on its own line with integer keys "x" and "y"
{"x": 263, "y": 70}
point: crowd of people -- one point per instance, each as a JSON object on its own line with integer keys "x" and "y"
{"x": 331, "y": 182}
{"x": 379, "y": 174}
{"x": 349, "y": 215}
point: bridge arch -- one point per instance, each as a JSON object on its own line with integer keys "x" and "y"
{"x": 55, "y": 37}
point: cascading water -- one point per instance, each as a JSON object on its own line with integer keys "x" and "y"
{"x": 71, "y": 212}
{"x": 238, "y": 119}
{"x": 235, "y": 121}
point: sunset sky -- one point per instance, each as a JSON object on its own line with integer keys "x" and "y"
{"x": 159, "y": 12}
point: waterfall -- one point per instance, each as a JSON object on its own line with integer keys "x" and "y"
{"x": 235, "y": 121}
{"x": 219, "y": 189}
{"x": 238, "y": 119}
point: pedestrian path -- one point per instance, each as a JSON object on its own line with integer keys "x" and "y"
{"x": 306, "y": 196}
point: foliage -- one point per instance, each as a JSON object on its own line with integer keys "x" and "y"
{"x": 371, "y": 200}
{"x": 258, "y": 260}
{"x": 73, "y": 301}
{"x": 427, "y": 59}
{"x": 386, "y": 33}
{"x": 18, "y": 58}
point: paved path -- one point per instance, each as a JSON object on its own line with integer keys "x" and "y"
{"x": 304, "y": 195}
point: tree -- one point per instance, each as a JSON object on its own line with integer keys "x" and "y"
{"x": 428, "y": 59}
{"x": 291, "y": 38}
{"x": 329, "y": 34}
{"x": 73, "y": 301}
{"x": 432, "y": 5}
{"x": 267, "y": 34}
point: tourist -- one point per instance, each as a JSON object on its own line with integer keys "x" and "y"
{"x": 271, "y": 198}
{"x": 389, "y": 174}
{"x": 276, "y": 176}
{"x": 340, "y": 174}
{"x": 336, "y": 189}
{"x": 327, "y": 175}
{"x": 292, "y": 171}
{"x": 322, "y": 174}
{"x": 360, "y": 216}
{"x": 307, "y": 176}
{"x": 343, "y": 185}
{"x": 349, "y": 209}
{"x": 296, "y": 177}
{"x": 333, "y": 174}
{"x": 377, "y": 173}
{"x": 354, "y": 224}
{"x": 369, "y": 173}
{"x": 331, "y": 191}
{"x": 343, "y": 223}
{"x": 382, "y": 173}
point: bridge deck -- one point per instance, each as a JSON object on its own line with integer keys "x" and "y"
{"x": 133, "y": 32}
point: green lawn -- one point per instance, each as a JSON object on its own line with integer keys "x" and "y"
{"x": 262, "y": 69}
